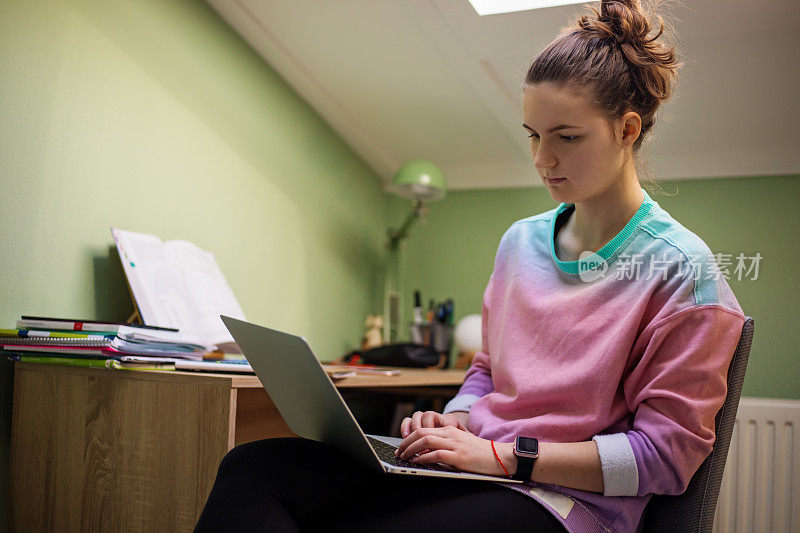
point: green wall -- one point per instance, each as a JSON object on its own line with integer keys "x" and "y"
{"x": 153, "y": 116}
{"x": 453, "y": 253}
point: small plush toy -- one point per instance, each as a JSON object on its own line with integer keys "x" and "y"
{"x": 374, "y": 335}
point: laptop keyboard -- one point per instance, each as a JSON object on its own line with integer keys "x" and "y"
{"x": 386, "y": 454}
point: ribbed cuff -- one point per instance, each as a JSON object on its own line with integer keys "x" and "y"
{"x": 462, "y": 402}
{"x": 620, "y": 473}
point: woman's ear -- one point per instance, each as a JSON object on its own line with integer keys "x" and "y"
{"x": 629, "y": 128}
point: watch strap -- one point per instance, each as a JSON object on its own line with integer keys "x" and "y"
{"x": 524, "y": 468}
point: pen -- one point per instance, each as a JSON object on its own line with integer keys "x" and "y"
{"x": 441, "y": 312}
{"x": 377, "y": 371}
{"x": 353, "y": 373}
{"x": 417, "y": 308}
{"x": 448, "y": 319}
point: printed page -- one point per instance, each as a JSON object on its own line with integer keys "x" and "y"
{"x": 156, "y": 283}
{"x": 208, "y": 294}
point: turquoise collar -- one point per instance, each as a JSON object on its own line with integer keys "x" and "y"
{"x": 608, "y": 252}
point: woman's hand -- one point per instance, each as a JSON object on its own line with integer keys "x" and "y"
{"x": 456, "y": 447}
{"x": 432, "y": 419}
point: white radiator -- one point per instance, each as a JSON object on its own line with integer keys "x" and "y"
{"x": 760, "y": 490}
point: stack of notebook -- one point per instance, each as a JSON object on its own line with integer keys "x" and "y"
{"x": 112, "y": 345}
{"x": 174, "y": 284}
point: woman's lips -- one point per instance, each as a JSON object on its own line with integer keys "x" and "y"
{"x": 554, "y": 181}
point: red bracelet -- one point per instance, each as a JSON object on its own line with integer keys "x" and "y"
{"x": 498, "y": 460}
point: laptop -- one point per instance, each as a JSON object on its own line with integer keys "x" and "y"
{"x": 312, "y": 406}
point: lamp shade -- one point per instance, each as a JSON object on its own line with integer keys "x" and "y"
{"x": 468, "y": 333}
{"x": 419, "y": 180}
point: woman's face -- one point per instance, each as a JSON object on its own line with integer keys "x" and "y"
{"x": 571, "y": 139}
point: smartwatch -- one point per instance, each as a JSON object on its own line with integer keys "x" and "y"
{"x": 527, "y": 451}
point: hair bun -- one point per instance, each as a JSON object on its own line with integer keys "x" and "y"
{"x": 622, "y": 21}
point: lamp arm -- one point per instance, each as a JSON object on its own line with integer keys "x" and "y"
{"x": 395, "y": 236}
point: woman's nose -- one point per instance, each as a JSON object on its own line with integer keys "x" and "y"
{"x": 542, "y": 158}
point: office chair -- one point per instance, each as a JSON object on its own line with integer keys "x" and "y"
{"x": 693, "y": 511}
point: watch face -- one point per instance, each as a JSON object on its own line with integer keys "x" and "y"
{"x": 527, "y": 445}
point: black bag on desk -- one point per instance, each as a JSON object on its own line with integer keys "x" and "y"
{"x": 404, "y": 354}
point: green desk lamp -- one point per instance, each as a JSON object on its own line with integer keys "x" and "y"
{"x": 420, "y": 181}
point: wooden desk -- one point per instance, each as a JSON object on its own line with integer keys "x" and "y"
{"x": 114, "y": 450}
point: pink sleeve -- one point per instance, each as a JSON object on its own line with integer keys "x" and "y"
{"x": 675, "y": 391}
{"x": 478, "y": 380}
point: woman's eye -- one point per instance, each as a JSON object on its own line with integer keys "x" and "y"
{"x": 565, "y": 138}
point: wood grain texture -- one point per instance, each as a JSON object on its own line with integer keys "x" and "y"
{"x": 258, "y": 418}
{"x": 113, "y": 450}
{"x": 96, "y": 450}
{"x": 423, "y": 377}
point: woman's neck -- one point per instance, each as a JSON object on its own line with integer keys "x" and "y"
{"x": 599, "y": 219}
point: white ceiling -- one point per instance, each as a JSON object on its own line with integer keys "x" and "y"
{"x": 407, "y": 79}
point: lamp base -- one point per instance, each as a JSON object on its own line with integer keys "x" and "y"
{"x": 392, "y": 317}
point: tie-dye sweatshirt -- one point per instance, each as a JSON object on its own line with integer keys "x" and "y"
{"x": 628, "y": 347}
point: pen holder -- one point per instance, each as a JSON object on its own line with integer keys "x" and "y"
{"x": 437, "y": 335}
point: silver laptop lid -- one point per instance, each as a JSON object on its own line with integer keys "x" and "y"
{"x": 301, "y": 390}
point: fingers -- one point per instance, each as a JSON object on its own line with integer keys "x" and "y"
{"x": 416, "y": 421}
{"x": 438, "y": 456}
{"x": 447, "y": 433}
{"x": 433, "y": 443}
{"x": 410, "y": 425}
{"x": 420, "y": 419}
{"x": 431, "y": 419}
{"x": 405, "y": 427}
{"x": 453, "y": 420}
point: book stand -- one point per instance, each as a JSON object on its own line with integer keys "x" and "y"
{"x": 135, "y": 317}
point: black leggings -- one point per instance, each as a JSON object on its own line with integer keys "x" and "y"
{"x": 290, "y": 484}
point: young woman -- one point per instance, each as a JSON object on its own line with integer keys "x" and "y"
{"x": 607, "y": 334}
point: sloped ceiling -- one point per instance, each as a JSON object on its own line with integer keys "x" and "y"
{"x": 406, "y": 79}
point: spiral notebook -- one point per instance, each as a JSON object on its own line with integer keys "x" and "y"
{"x": 45, "y": 333}
{"x": 55, "y": 341}
{"x": 65, "y": 351}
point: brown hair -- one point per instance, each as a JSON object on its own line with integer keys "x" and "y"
{"x": 612, "y": 59}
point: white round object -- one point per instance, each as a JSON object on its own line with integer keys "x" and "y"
{"x": 468, "y": 334}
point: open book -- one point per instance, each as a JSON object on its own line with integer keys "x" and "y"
{"x": 176, "y": 284}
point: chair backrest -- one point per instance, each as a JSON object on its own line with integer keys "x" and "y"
{"x": 693, "y": 511}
